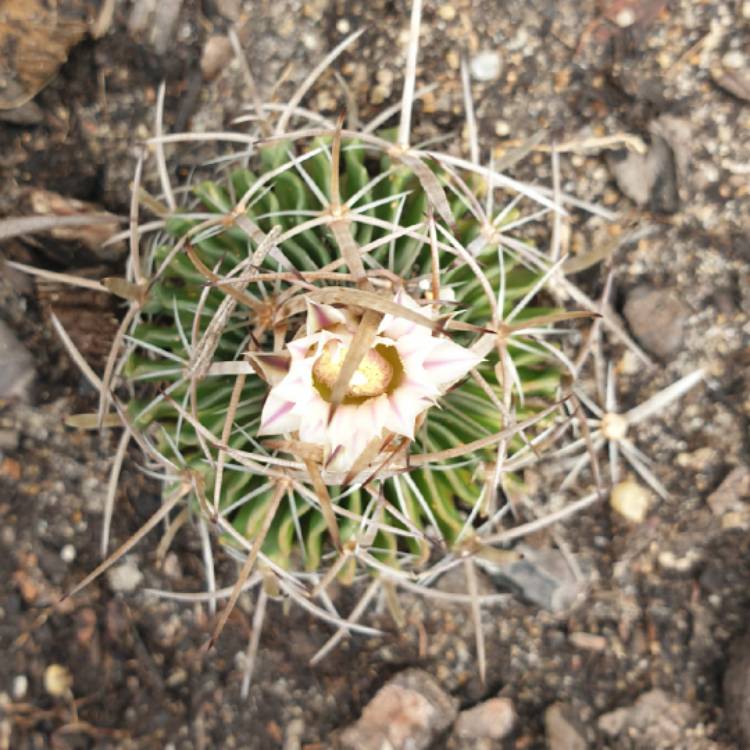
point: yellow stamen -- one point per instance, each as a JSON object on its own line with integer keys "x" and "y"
{"x": 372, "y": 377}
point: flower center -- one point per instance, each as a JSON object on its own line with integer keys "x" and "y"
{"x": 372, "y": 377}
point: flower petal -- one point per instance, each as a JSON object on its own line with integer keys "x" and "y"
{"x": 448, "y": 362}
{"x": 395, "y": 326}
{"x": 278, "y": 416}
{"x": 321, "y": 317}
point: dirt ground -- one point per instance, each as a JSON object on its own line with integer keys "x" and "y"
{"x": 670, "y": 594}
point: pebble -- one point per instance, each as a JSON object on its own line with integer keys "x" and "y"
{"x": 737, "y": 689}
{"x": 648, "y": 179}
{"x": 588, "y": 641}
{"x": 295, "y": 730}
{"x": 733, "y": 60}
{"x": 630, "y": 500}
{"x": 217, "y": 53}
{"x": 543, "y": 578}
{"x": 656, "y": 720}
{"x": 561, "y": 729}
{"x": 447, "y": 12}
{"x": 230, "y": 9}
{"x": 125, "y": 578}
{"x": 502, "y": 128}
{"x": 408, "y": 713}
{"x": 57, "y": 680}
{"x": 657, "y": 319}
{"x": 493, "y": 719}
{"x": 9, "y": 440}
{"x": 68, "y": 553}
{"x": 485, "y": 66}
{"x": 20, "y": 687}
{"x": 728, "y": 496}
{"x": 16, "y": 366}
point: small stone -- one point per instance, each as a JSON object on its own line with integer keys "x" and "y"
{"x": 172, "y": 568}
{"x": 447, "y": 12}
{"x": 16, "y": 366}
{"x": 733, "y": 60}
{"x": 378, "y": 94}
{"x": 453, "y": 60}
{"x": 407, "y": 713}
{"x": 588, "y": 641}
{"x": 655, "y": 720}
{"x": 668, "y": 560}
{"x": 502, "y": 129}
{"x": 57, "y": 680}
{"x": 648, "y": 179}
{"x": 625, "y": 18}
{"x": 543, "y": 577}
{"x": 737, "y": 689}
{"x": 230, "y": 9}
{"x": 20, "y": 687}
{"x": 293, "y": 733}
{"x": 657, "y": 318}
{"x": 9, "y": 440}
{"x": 10, "y": 469}
{"x": 177, "y": 677}
{"x": 343, "y": 26}
{"x": 729, "y": 495}
{"x": 68, "y": 553}
{"x": 217, "y": 53}
{"x": 485, "y": 66}
{"x": 124, "y": 578}
{"x": 631, "y": 500}
{"x": 562, "y": 730}
{"x": 492, "y": 719}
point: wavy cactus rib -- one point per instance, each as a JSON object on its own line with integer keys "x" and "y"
{"x": 218, "y": 303}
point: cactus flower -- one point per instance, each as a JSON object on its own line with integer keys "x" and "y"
{"x": 404, "y": 373}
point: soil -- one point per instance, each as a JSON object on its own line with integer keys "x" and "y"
{"x": 670, "y": 594}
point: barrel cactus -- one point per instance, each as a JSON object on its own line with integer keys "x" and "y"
{"x": 337, "y": 352}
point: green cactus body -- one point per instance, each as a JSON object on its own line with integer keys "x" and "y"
{"x": 415, "y": 508}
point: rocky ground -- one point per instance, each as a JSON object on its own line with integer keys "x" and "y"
{"x": 651, "y": 655}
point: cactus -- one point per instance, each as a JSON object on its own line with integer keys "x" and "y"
{"x": 280, "y": 256}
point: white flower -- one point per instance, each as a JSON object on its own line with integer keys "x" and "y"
{"x": 404, "y": 373}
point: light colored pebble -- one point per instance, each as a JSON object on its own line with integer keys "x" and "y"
{"x": 20, "y": 687}
{"x": 631, "y": 500}
{"x": 734, "y": 60}
{"x": 68, "y": 553}
{"x": 485, "y": 66}
{"x": 125, "y": 578}
{"x": 57, "y": 680}
{"x": 447, "y": 12}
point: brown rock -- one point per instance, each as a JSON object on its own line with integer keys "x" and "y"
{"x": 657, "y": 318}
{"x": 656, "y": 721}
{"x": 563, "y": 732}
{"x": 728, "y": 496}
{"x": 406, "y": 714}
{"x": 492, "y": 719}
{"x": 217, "y": 53}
